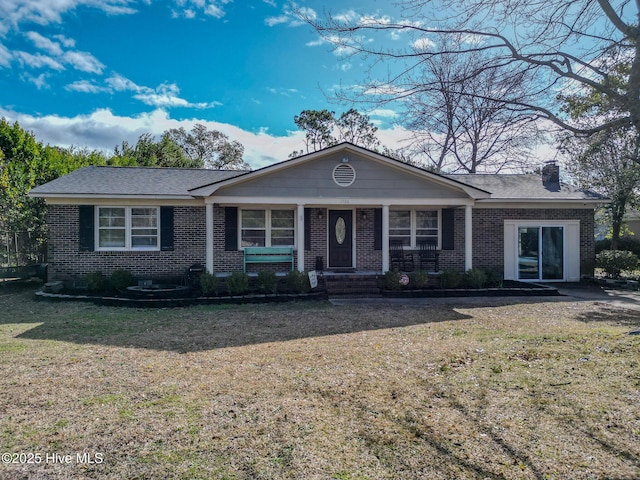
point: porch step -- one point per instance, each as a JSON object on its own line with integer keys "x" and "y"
{"x": 352, "y": 285}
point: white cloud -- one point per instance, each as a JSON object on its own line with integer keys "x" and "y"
{"x": 40, "y": 81}
{"x": 45, "y": 12}
{"x": 423, "y": 44}
{"x": 85, "y": 86}
{"x": 293, "y": 18}
{"x": 103, "y": 130}
{"x": 121, "y": 84}
{"x": 272, "y": 21}
{"x": 214, "y": 11}
{"x": 67, "y": 42}
{"x": 384, "y": 113}
{"x": 44, "y": 43}
{"x": 164, "y": 95}
{"x": 38, "y": 61}
{"x": 190, "y": 8}
{"x": 83, "y": 61}
{"x": 5, "y": 56}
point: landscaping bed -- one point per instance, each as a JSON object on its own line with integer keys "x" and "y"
{"x": 124, "y": 300}
{"x": 508, "y": 288}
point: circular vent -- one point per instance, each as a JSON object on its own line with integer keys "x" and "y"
{"x": 344, "y": 174}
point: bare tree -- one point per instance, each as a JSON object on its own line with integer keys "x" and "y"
{"x": 457, "y": 131}
{"x": 560, "y": 46}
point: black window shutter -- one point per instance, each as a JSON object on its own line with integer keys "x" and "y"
{"x": 377, "y": 229}
{"x": 86, "y": 221}
{"x": 448, "y": 229}
{"x": 307, "y": 229}
{"x": 166, "y": 229}
{"x": 231, "y": 228}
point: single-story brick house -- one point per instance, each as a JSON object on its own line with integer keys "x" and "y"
{"x": 341, "y": 206}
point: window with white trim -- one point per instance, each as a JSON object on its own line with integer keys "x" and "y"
{"x": 413, "y": 226}
{"x": 267, "y": 228}
{"x": 128, "y": 228}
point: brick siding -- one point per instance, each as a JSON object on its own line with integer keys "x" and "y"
{"x": 67, "y": 262}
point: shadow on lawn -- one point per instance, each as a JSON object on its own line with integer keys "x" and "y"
{"x": 612, "y": 315}
{"x": 206, "y": 328}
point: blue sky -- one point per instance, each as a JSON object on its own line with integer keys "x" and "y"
{"x": 96, "y": 72}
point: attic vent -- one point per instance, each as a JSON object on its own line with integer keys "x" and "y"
{"x": 344, "y": 174}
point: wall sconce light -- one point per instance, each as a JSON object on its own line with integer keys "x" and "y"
{"x": 363, "y": 215}
{"x": 320, "y": 214}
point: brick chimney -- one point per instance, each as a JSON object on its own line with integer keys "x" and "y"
{"x": 551, "y": 173}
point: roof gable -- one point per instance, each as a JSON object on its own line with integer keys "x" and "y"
{"x": 312, "y": 175}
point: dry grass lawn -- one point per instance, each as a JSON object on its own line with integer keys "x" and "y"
{"x": 314, "y": 391}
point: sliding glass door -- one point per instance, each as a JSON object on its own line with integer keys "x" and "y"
{"x": 540, "y": 253}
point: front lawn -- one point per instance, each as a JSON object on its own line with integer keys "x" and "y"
{"x": 314, "y": 391}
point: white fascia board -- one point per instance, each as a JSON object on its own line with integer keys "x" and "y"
{"x": 539, "y": 203}
{"x": 121, "y": 200}
{"x": 321, "y": 202}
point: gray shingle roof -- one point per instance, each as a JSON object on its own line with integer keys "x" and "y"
{"x": 524, "y": 187}
{"x": 132, "y": 181}
{"x": 176, "y": 182}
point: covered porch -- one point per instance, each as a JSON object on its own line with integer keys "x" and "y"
{"x": 342, "y": 236}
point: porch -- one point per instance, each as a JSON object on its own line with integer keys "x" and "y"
{"x": 339, "y": 237}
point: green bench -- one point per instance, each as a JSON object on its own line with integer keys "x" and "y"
{"x": 268, "y": 255}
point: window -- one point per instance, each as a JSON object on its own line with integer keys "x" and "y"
{"x": 400, "y": 226}
{"x": 127, "y": 228}
{"x": 413, "y": 226}
{"x": 267, "y": 228}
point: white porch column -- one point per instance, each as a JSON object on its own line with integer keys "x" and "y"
{"x": 468, "y": 237}
{"x": 385, "y": 238}
{"x": 300, "y": 238}
{"x": 209, "y": 236}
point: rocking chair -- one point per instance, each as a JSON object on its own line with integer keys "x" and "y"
{"x": 402, "y": 261}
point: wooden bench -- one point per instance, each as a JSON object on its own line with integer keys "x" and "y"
{"x": 268, "y": 255}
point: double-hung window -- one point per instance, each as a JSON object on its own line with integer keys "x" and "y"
{"x": 413, "y": 226}
{"x": 267, "y": 228}
{"x": 127, "y": 228}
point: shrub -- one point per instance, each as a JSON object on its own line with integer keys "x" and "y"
{"x": 96, "y": 281}
{"x": 624, "y": 243}
{"x": 209, "y": 284}
{"x": 419, "y": 279}
{"x": 494, "y": 277}
{"x": 298, "y": 282}
{"x": 238, "y": 283}
{"x": 614, "y": 262}
{"x": 392, "y": 280}
{"x": 450, "y": 278}
{"x": 121, "y": 279}
{"x": 475, "y": 278}
{"x": 267, "y": 281}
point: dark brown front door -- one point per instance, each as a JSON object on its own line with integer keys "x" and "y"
{"x": 340, "y": 238}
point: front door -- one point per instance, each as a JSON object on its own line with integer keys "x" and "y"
{"x": 340, "y": 239}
